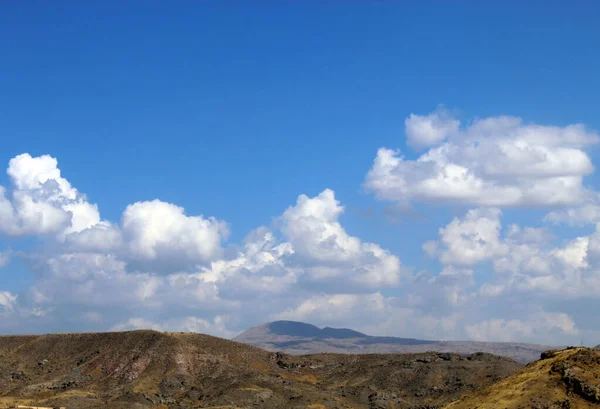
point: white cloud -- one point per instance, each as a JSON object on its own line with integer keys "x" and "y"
{"x": 8, "y": 301}
{"x": 158, "y": 229}
{"x": 5, "y": 257}
{"x": 258, "y": 267}
{"x": 136, "y": 323}
{"x": 525, "y": 259}
{"x": 42, "y": 202}
{"x": 326, "y": 250}
{"x": 187, "y": 324}
{"x": 313, "y": 229}
{"x": 490, "y": 290}
{"x": 588, "y": 213}
{"x": 497, "y": 161}
{"x": 93, "y": 269}
{"x": 161, "y": 268}
{"x": 102, "y": 280}
{"x": 334, "y": 307}
{"x": 519, "y": 330}
{"x": 103, "y": 237}
{"x": 430, "y": 130}
{"x": 471, "y": 240}
{"x": 29, "y": 173}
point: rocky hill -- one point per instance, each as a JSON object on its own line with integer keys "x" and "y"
{"x": 300, "y": 338}
{"x": 148, "y": 369}
{"x": 564, "y": 379}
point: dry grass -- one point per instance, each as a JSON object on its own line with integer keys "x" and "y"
{"x": 537, "y": 383}
{"x": 303, "y": 377}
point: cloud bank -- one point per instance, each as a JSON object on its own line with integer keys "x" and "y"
{"x": 160, "y": 267}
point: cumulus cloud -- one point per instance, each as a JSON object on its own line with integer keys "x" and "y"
{"x": 523, "y": 258}
{"x": 496, "y": 161}
{"x": 326, "y": 251}
{"x": 42, "y": 201}
{"x": 101, "y": 237}
{"x": 471, "y": 240}
{"x": 157, "y": 229}
{"x": 102, "y": 280}
{"x": 168, "y": 264}
{"x": 159, "y": 267}
{"x": 430, "y": 130}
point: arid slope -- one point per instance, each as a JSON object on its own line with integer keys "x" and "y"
{"x": 565, "y": 379}
{"x": 148, "y": 369}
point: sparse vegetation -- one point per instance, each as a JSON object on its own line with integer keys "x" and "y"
{"x": 563, "y": 379}
{"x": 148, "y": 369}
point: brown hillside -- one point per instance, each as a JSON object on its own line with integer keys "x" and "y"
{"x": 565, "y": 379}
{"x": 148, "y": 369}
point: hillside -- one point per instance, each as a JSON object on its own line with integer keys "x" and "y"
{"x": 148, "y": 369}
{"x": 299, "y": 338}
{"x": 565, "y": 379}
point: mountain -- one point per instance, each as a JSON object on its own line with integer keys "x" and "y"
{"x": 568, "y": 378}
{"x": 149, "y": 369}
{"x": 299, "y": 338}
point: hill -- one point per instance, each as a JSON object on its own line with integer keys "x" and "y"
{"x": 148, "y": 369}
{"x": 299, "y": 338}
{"x": 565, "y": 379}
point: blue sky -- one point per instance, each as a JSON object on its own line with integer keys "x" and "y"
{"x": 233, "y": 110}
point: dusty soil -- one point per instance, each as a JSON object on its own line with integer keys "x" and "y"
{"x": 148, "y": 369}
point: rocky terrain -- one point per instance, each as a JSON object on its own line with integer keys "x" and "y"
{"x": 298, "y": 338}
{"x": 562, "y": 379}
{"x": 148, "y": 369}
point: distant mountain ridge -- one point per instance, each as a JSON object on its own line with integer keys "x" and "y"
{"x": 299, "y": 338}
{"x": 301, "y": 329}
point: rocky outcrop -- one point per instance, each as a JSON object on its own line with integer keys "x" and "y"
{"x": 581, "y": 374}
{"x": 562, "y": 379}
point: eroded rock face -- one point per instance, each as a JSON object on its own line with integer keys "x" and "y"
{"x": 579, "y": 373}
{"x": 562, "y": 379}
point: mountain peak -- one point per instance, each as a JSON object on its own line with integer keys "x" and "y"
{"x": 293, "y": 328}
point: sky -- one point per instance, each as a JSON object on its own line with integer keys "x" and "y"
{"x": 419, "y": 170}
